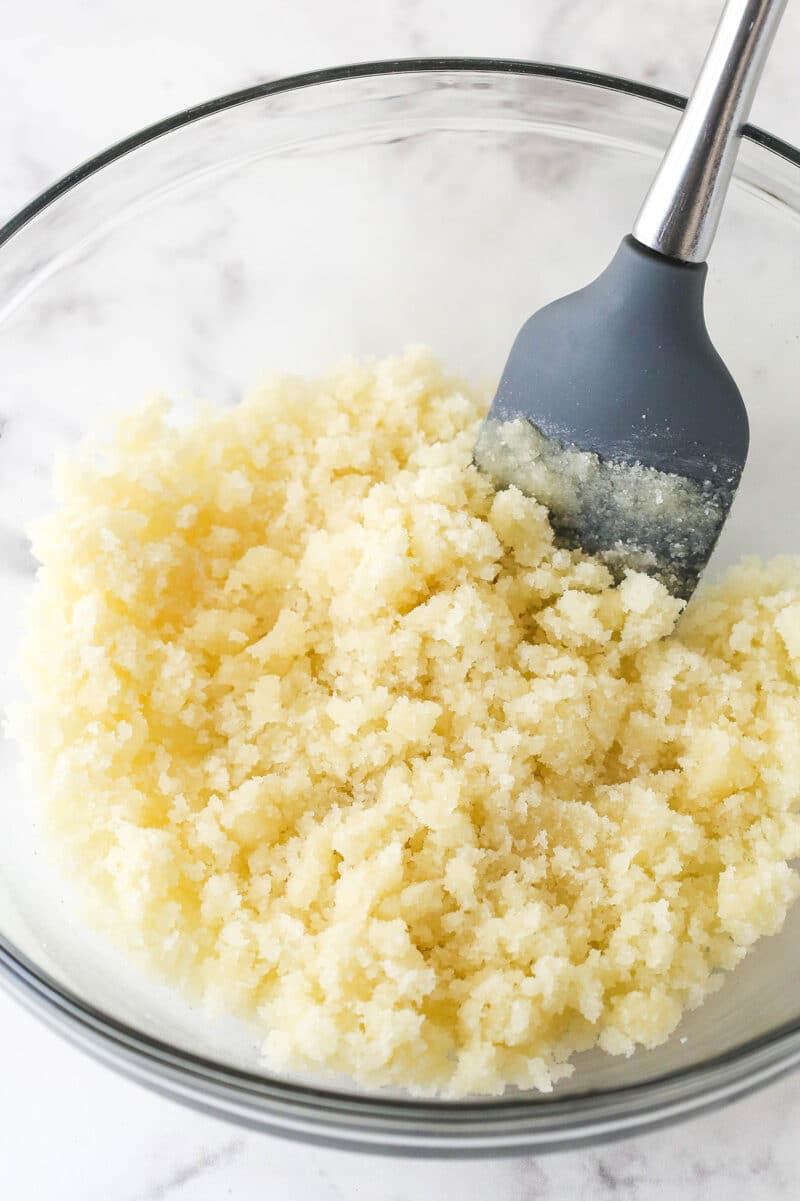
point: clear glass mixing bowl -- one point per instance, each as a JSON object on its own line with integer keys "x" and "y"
{"x": 358, "y": 210}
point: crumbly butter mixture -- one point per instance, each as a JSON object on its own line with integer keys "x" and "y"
{"x": 336, "y": 737}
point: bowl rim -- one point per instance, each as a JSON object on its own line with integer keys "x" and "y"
{"x": 326, "y": 1114}
{"x": 361, "y": 70}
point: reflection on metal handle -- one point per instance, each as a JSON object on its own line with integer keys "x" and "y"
{"x": 681, "y": 211}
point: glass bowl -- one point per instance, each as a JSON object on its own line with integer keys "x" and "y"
{"x": 358, "y": 210}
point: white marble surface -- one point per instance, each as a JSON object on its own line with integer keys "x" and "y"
{"x": 74, "y": 76}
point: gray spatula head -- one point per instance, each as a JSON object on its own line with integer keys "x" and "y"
{"x": 615, "y": 410}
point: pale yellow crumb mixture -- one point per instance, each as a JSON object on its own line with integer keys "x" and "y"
{"x": 336, "y": 737}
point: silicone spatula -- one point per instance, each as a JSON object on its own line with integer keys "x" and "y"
{"x": 614, "y": 408}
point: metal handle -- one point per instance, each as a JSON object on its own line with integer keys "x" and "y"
{"x": 681, "y": 211}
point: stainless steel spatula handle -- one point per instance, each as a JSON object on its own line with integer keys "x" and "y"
{"x": 681, "y": 211}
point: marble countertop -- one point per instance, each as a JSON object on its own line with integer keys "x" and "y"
{"x": 76, "y": 75}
